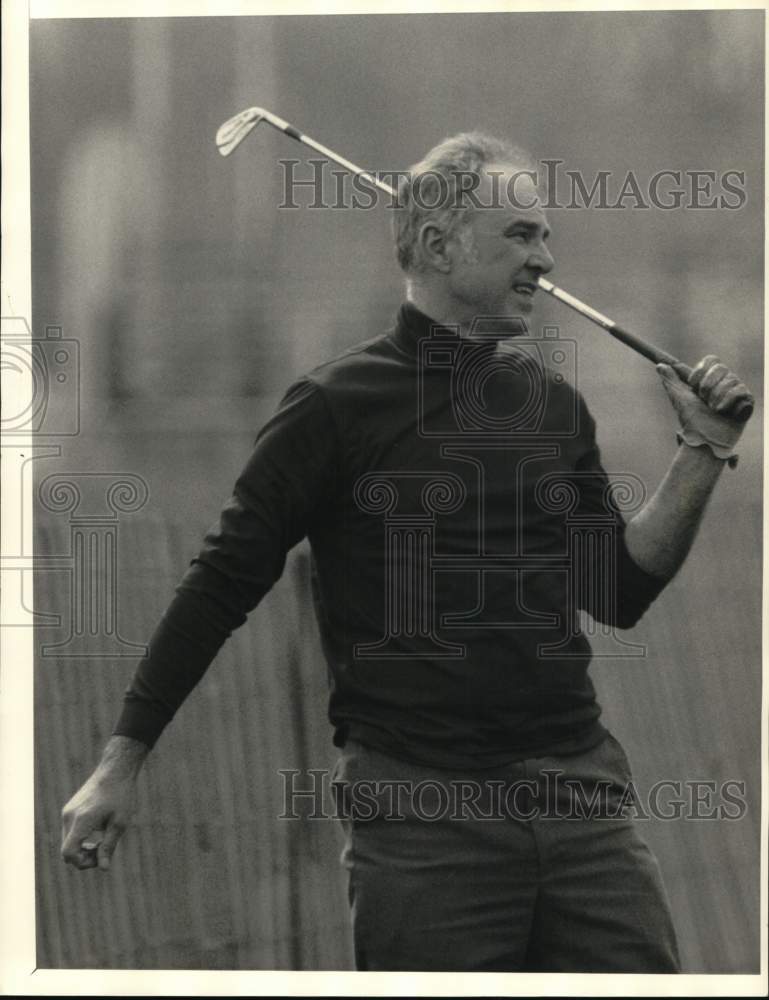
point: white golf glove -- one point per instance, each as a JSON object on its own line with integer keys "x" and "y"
{"x": 706, "y": 406}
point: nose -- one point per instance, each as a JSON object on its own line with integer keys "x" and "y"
{"x": 540, "y": 258}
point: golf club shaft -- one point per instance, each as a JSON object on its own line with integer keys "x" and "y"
{"x": 651, "y": 351}
{"x": 331, "y": 155}
{"x": 233, "y": 131}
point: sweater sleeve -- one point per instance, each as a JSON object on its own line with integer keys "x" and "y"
{"x": 613, "y": 589}
{"x": 288, "y": 477}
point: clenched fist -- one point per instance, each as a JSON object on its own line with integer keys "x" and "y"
{"x": 710, "y": 406}
{"x": 93, "y": 821}
{"x": 96, "y": 816}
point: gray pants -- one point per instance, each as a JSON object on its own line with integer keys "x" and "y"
{"x": 510, "y": 869}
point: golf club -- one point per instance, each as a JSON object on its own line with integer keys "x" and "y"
{"x": 234, "y": 131}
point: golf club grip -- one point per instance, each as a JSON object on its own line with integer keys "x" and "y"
{"x": 743, "y": 411}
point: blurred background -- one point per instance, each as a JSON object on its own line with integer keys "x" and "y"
{"x": 195, "y": 301}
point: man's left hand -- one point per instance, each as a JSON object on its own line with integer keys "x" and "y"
{"x": 707, "y": 405}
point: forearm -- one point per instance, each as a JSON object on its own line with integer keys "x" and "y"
{"x": 660, "y": 536}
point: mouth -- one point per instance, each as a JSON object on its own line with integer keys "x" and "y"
{"x": 525, "y": 288}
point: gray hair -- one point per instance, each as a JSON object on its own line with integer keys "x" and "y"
{"x": 432, "y": 189}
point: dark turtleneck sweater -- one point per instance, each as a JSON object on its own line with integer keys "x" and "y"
{"x": 458, "y": 516}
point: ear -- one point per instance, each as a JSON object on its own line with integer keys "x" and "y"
{"x": 433, "y": 246}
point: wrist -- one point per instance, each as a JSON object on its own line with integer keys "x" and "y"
{"x": 695, "y": 471}
{"x": 122, "y": 758}
{"x": 706, "y": 452}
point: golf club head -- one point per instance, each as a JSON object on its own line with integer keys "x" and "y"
{"x": 234, "y": 130}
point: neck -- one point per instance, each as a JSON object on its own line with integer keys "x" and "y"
{"x": 432, "y": 303}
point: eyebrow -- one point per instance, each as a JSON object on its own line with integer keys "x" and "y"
{"x": 530, "y": 227}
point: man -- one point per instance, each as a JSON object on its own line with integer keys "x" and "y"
{"x": 452, "y": 492}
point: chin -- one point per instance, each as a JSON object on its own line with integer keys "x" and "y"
{"x": 520, "y": 307}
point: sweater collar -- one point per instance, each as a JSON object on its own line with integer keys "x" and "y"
{"x": 413, "y": 326}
